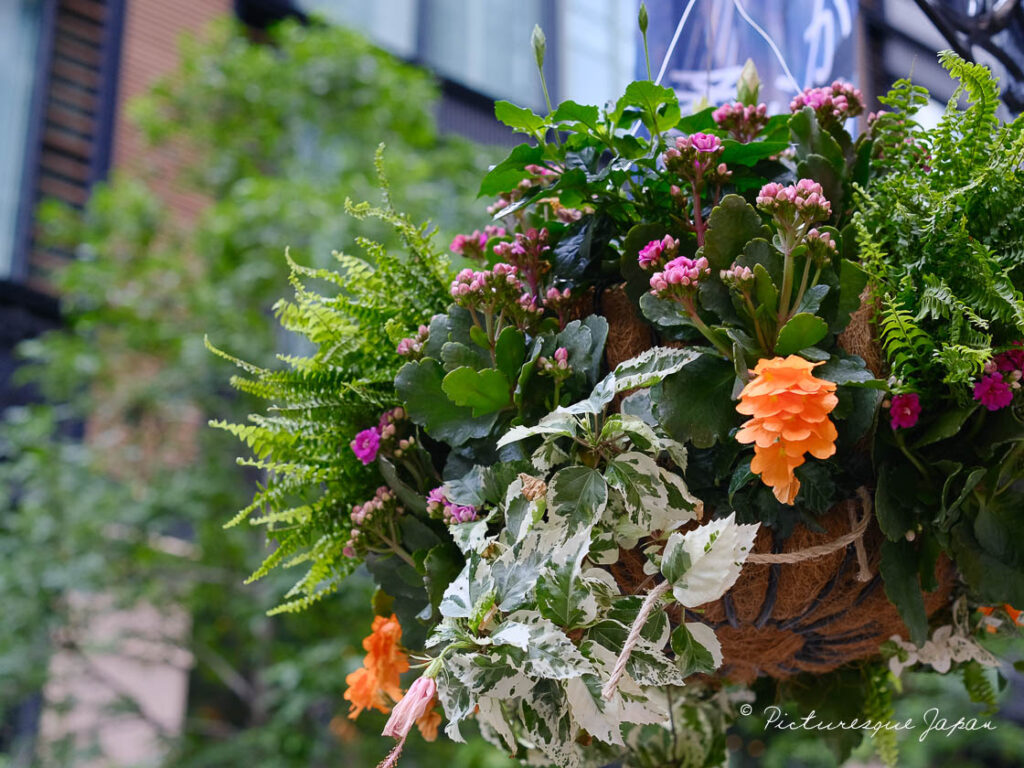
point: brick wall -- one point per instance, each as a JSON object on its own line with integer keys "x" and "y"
{"x": 149, "y": 52}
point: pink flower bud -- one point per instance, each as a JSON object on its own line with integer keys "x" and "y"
{"x": 411, "y": 708}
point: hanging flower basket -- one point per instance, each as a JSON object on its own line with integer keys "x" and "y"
{"x": 705, "y": 402}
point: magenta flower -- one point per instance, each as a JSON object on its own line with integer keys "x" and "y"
{"x": 993, "y": 392}
{"x": 905, "y": 410}
{"x": 366, "y": 445}
{"x": 411, "y": 708}
{"x": 705, "y": 142}
{"x": 656, "y": 251}
{"x": 1011, "y": 360}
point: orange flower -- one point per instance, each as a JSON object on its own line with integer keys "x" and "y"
{"x": 789, "y": 409}
{"x": 370, "y": 686}
{"x": 384, "y": 656}
{"x": 429, "y": 721}
{"x": 364, "y": 693}
{"x": 1013, "y": 613}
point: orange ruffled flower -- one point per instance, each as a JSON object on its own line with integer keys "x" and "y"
{"x": 370, "y": 686}
{"x": 790, "y": 409}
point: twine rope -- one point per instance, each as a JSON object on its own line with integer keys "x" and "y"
{"x": 653, "y": 597}
{"x": 855, "y": 537}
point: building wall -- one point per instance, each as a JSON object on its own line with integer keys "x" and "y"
{"x": 147, "y": 666}
{"x": 149, "y": 52}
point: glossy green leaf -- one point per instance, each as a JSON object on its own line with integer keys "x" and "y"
{"x": 802, "y": 330}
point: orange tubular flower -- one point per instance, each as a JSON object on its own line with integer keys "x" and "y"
{"x": 384, "y": 656}
{"x": 789, "y": 409}
{"x": 429, "y": 722}
{"x": 370, "y": 686}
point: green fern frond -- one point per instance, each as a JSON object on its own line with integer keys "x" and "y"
{"x": 906, "y": 345}
{"x": 878, "y": 708}
{"x": 979, "y": 687}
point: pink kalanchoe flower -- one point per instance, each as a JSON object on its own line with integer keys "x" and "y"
{"x": 562, "y": 357}
{"x": 657, "y": 251}
{"x": 1012, "y": 359}
{"x": 411, "y": 708}
{"x": 469, "y": 245}
{"x": 680, "y": 278}
{"x": 831, "y": 103}
{"x": 905, "y": 410}
{"x": 705, "y": 142}
{"x": 459, "y": 513}
{"x": 436, "y": 502}
{"x": 993, "y": 392}
{"x": 740, "y": 278}
{"x": 366, "y": 444}
{"x": 742, "y": 121}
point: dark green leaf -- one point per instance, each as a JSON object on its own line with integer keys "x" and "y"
{"x": 695, "y": 405}
{"x": 510, "y": 171}
{"x": 509, "y": 352}
{"x": 731, "y": 225}
{"x": 419, "y": 385}
{"x": 802, "y": 330}
{"x": 899, "y": 569}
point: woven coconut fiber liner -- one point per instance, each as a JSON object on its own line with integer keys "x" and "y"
{"x": 811, "y": 602}
{"x": 811, "y": 615}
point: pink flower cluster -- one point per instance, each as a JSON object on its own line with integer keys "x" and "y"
{"x": 831, "y": 103}
{"x": 904, "y": 410}
{"x": 820, "y": 246}
{"x": 473, "y": 245}
{"x": 1002, "y": 378}
{"x": 412, "y": 347}
{"x": 803, "y": 202}
{"x": 680, "y": 278}
{"x": 657, "y": 252}
{"x": 526, "y": 253}
{"x": 439, "y": 507}
{"x": 368, "y": 443}
{"x": 740, "y": 278}
{"x": 557, "y": 366}
{"x": 363, "y": 515}
{"x": 695, "y": 158}
{"x": 496, "y": 290}
{"x": 741, "y": 121}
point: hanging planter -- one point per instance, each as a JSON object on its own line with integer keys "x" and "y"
{"x": 710, "y": 405}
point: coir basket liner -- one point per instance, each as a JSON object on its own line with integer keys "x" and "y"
{"x": 809, "y": 603}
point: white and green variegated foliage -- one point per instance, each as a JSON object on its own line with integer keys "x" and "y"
{"x": 535, "y": 622}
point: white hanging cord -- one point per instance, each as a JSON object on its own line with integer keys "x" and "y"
{"x": 771, "y": 43}
{"x": 675, "y": 39}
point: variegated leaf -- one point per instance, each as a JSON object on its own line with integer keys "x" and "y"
{"x": 705, "y": 562}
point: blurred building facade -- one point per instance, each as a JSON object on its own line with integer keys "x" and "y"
{"x": 69, "y": 67}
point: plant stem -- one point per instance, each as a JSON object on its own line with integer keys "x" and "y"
{"x": 701, "y": 326}
{"x": 906, "y": 452}
{"x": 757, "y": 326}
{"x": 803, "y": 284}
{"x": 698, "y": 215}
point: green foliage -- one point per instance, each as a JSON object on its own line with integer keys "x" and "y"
{"x": 939, "y": 230}
{"x": 878, "y": 709}
{"x": 277, "y": 139}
